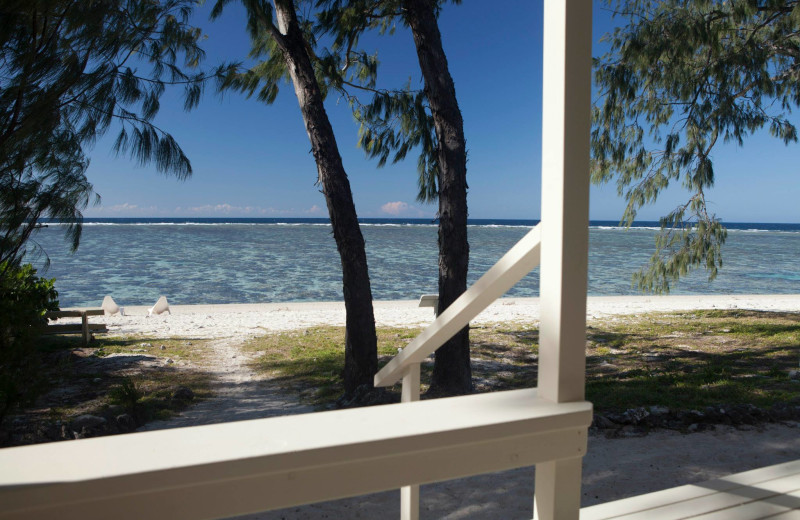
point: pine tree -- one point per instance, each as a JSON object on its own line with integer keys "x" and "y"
{"x": 394, "y": 122}
{"x": 286, "y": 48}
{"x": 68, "y": 70}
{"x": 679, "y": 78}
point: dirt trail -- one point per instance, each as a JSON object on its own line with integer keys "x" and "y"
{"x": 239, "y": 393}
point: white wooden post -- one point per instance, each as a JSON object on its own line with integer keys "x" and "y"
{"x": 409, "y": 495}
{"x": 566, "y": 111}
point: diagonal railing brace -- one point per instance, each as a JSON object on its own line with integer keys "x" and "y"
{"x": 511, "y": 268}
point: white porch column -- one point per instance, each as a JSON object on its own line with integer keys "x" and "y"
{"x": 566, "y": 112}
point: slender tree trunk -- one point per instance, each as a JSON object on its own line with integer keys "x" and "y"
{"x": 361, "y": 361}
{"x": 452, "y": 372}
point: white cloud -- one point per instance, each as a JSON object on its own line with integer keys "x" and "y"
{"x": 127, "y": 209}
{"x": 124, "y": 209}
{"x": 395, "y": 208}
{"x": 402, "y": 209}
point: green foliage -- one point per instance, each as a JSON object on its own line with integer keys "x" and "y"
{"x": 126, "y": 394}
{"x": 68, "y": 70}
{"x": 24, "y": 300}
{"x": 394, "y": 121}
{"x": 679, "y": 78}
{"x": 393, "y": 124}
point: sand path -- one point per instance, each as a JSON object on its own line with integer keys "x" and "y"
{"x": 239, "y": 393}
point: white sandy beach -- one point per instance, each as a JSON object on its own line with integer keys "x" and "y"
{"x": 246, "y": 320}
{"x": 613, "y": 468}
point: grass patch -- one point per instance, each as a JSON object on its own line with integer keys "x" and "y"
{"x": 311, "y": 361}
{"x": 177, "y": 349}
{"x": 690, "y": 360}
{"x": 683, "y": 360}
{"x": 103, "y": 379}
{"x": 156, "y": 367}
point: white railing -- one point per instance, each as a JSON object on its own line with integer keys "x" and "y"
{"x": 230, "y": 469}
{"x": 510, "y": 269}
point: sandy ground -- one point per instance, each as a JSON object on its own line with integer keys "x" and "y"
{"x": 246, "y": 320}
{"x": 613, "y": 468}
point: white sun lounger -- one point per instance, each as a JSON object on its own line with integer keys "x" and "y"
{"x": 160, "y": 307}
{"x": 110, "y": 307}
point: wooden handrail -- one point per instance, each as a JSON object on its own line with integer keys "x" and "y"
{"x": 229, "y": 469}
{"x": 511, "y": 268}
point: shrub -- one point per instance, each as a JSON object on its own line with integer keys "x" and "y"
{"x": 24, "y": 300}
{"x": 126, "y": 394}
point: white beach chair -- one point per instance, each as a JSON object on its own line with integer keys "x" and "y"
{"x": 160, "y": 307}
{"x": 110, "y": 307}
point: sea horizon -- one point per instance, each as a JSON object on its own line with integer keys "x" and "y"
{"x": 399, "y": 221}
{"x": 201, "y": 260}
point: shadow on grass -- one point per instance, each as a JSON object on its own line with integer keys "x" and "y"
{"x": 680, "y": 360}
{"x": 110, "y": 377}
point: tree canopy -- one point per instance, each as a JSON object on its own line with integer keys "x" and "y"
{"x": 678, "y": 79}
{"x": 70, "y": 68}
{"x": 393, "y": 121}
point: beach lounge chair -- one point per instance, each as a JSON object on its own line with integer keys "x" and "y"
{"x": 110, "y": 307}
{"x": 160, "y": 307}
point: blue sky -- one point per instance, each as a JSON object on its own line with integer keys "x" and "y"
{"x": 253, "y": 160}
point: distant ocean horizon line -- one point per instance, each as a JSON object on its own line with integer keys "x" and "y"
{"x": 597, "y": 224}
{"x": 251, "y": 260}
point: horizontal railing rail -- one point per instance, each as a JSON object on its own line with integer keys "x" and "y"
{"x": 229, "y": 469}
{"x": 511, "y": 268}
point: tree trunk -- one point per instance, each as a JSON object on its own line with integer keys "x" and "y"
{"x": 361, "y": 357}
{"x": 452, "y": 372}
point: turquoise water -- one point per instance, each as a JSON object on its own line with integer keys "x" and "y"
{"x": 271, "y": 261}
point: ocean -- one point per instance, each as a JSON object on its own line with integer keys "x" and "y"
{"x": 205, "y": 261}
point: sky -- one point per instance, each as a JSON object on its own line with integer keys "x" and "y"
{"x": 253, "y": 160}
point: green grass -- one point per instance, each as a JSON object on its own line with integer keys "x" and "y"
{"x": 683, "y": 360}
{"x": 186, "y": 349}
{"x": 694, "y": 359}
{"x": 311, "y": 361}
{"x": 85, "y": 382}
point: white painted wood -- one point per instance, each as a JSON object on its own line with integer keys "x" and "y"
{"x": 763, "y": 508}
{"x": 428, "y": 300}
{"x": 409, "y": 502}
{"x": 511, "y": 268}
{"x": 409, "y": 495}
{"x": 682, "y": 494}
{"x": 789, "y": 515}
{"x": 721, "y": 502}
{"x": 410, "y": 391}
{"x": 236, "y": 468}
{"x": 557, "y": 496}
{"x": 724, "y": 501}
{"x": 566, "y": 118}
